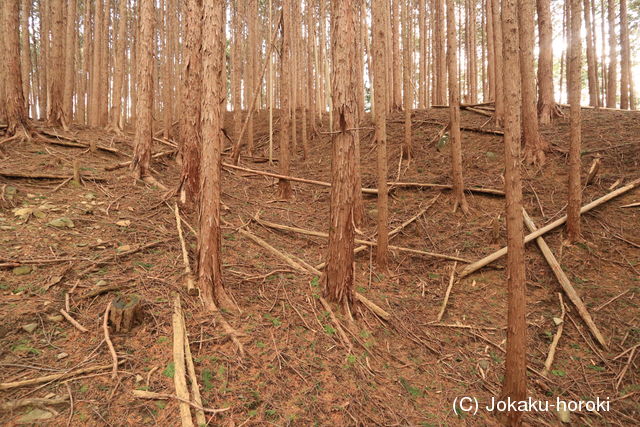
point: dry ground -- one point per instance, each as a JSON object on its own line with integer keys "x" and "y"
{"x": 296, "y": 371}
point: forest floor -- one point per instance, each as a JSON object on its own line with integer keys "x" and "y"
{"x": 296, "y": 370}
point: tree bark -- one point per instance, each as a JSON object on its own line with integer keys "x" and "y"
{"x": 546, "y": 104}
{"x": 454, "y": 111}
{"x": 407, "y": 49}
{"x": 17, "y": 122}
{"x": 625, "y": 57}
{"x": 144, "y": 118}
{"x": 439, "y": 63}
{"x": 117, "y": 122}
{"x": 69, "y": 63}
{"x": 575, "y": 69}
{"x": 534, "y": 145}
{"x": 339, "y": 272}
{"x": 515, "y": 379}
{"x": 612, "y": 73}
{"x": 592, "y": 68}
{"x": 285, "y": 114}
{"x": 380, "y": 122}
{"x": 55, "y": 114}
{"x": 25, "y": 55}
{"x": 95, "y": 100}
{"x": 498, "y": 61}
{"x": 191, "y": 138}
{"x": 209, "y": 242}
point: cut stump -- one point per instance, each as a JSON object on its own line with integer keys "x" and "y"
{"x": 124, "y": 312}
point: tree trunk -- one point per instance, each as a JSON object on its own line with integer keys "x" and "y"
{"x": 190, "y": 136}
{"x": 515, "y": 379}
{"x": 380, "y": 122}
{"x": 407, "y": 48}
{"x": 339, "y": 273}
{"x": 397, "y": 59}
{"x": 612, "y": 74}
{"x": 69, "y": 63}
{"x": 546, "y": 104}
{"x": 454, "y": 111}
{"x": 491, "y": 62}
{"x": 498, "y": 61}
{"x": 209, "y": 242}
{"x": 625, "y": 56}
{"x": 534, "y": 145}
{"x": 284, "y": 186}
{"x": 592, "y": 67}
{"x": 95, "y": 100}
{"x": 118, "y": 79}
{"x": 575, "y": 70}
{"x": 472, "y": 70}
{"x": 422, "y": 16}
{"x": 439, "y": 63}
{"x": 17, "y": 123}
{"x": 144, "y": 118}
{"x": 25, "y": 55}
{"x": 55, "y": 115}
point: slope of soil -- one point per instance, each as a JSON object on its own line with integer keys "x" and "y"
{"x": 297, "y": 371}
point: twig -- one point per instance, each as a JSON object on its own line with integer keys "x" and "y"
{"x": 52, "y": 377}
{"x": 12, "y": 405}
{"x": 446, "y": 295}
{"x": 189, "y": 281}
{"x": 70, "y": 405}
{"x": 556, "y": 339}
{"x": 343, "y": 336}
{"x": 603, "y": 305}
{"x": 179, "y": 377}
{"x": 73, "y": 321}
{"x": 105, "y": 328}
{"x": 193, "y": 378}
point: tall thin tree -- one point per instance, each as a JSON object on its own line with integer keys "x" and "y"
{"x": 575, "y": 70}
{"x": 515, "y": 379}
{"x": 339, "y": 273}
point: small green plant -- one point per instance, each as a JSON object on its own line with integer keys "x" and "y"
{"x": 329, "y": 329}
{"x": 260, "y": 344}
{"x": 558, "y": 372}
{"x": 274, "y": 320}
{"x": 597, "y": 368}
{"x": 170, "y": 370}
{"x": 315, "y": 281}
{"x": 207, "y": 379}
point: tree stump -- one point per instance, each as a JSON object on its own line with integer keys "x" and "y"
{"x": 125, "y": 310}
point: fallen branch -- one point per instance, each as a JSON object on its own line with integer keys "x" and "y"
{"x": 189, "y": 280}
{"x": 99, "y": 290}
{"x": 73, "y": 321}
{"x": 105, "y": 328}
{"x": 555, "y": 224}
{"x": 447, "y": 293}
{"x": 73, "y": 143}
{"x": 127, "y": 164}
{"x": 52, "y": 377}
{"x": 179, "y": 377}
{"x": 631, "y": 205}
{"x": 34, "y": 401}
{"x": 143, "y": 394}
{"x": 303, "y": 267}
{"x": 364, "y": 190}
{"x": 564, "y": 282}
{"x": 556, "y": 339}
{"x": 359, "y": 241}
{"x": 18, "y": 263}
{"x": 343, "y": 336}
{"x": 480, "y": 190}
{"x": 20, "y": 175}
{"x": 193, "y": 379}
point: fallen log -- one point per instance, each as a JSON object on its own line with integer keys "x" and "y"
{"x": 70, "y": 142}
{"x": 180, "y": 375}
{"x": 564, "y": 282}
{"x": 303, "y": 267}
{"x": 34, "y": 401}
{"x": 551, "y": 226}
{"x": 364, "y": 190}
{"x": 53, "y": 377}
{"x": 127, "y": 164}
{"x": 20, "y": 175}
{"x": 307, "y": 232}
